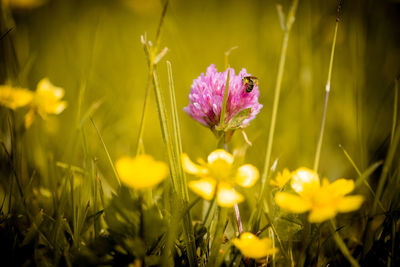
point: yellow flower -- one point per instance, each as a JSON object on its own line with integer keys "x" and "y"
{"x": 14, "y": 97}
{"x": 219, "y": 173}
{"x": 141, "y": 172}
{"x": 46, "y": 100}
{"x": 282, "y": 178}
{"x": 322, "y": 201}
{"x": 253, "y": 247}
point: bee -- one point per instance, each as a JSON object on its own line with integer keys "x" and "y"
{"x": 249, "y": 82}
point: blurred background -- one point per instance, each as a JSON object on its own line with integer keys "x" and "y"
{"x": 93, "y": 48}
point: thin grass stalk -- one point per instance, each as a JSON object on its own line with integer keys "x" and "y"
{"x": 96, "y": 222}
{"x": 395, "y": 107}
{"x": 173, "y": 159}
{"x": 177, "y": 133}
{"x": 107, "y": 153}
{"x": 364, "y": 175}
{"x": 223, "y": 108}
{"x": 385, "y": 171}
{"x": 165, "y": 132}
{"x": 265, "y": 174}
{"x": 219, "y": 231}
{"x": 139, "y": 143}
{"x": 151, "y": 55}
{"x": 342, "y": 246}
{"x": 182, "y": 182}
{"x": 327, "y": 90}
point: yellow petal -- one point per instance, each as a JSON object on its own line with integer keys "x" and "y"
{"x": 14, "y": 97}
{"x": 247, "y": 175}
{"x": 341, "y": 187}
{"x": 320, "y": 214}
{"x": 253, "y": 247}
{"x": 282, "y": 178}
{"x": 191, "y": 167}
{"x": 292, "y": 203}
{"x": 141, "y": 172}
{"x": 48, "y": 98}
{"x": 350, "y": 203}
{"x": 46, "y": 87}
{"x": 218, "y": 155}
{"x": 29, "y": 117}
{"x": 204, "y": 187}
{"x": 305, "y": 181}
{"x": 227, "y": 196}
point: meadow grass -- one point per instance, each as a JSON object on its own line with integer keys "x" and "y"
{"x": 66, "y": 202}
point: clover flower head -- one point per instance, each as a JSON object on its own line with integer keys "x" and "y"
{"x": 218, "y": 176}
{"x": 253, "y": 247}
{"x": 323, "y": 201}
{"x": 141, "y": 172}
{"x": 207, "y": 94}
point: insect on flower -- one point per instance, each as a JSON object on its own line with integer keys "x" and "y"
{"x": 207, "y": 94}
{"x": 249, "y": 82}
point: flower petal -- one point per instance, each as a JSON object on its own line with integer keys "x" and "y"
{"x": 247, "y": 175}
{"x": 218, "y": 155}
{"x": 350, "y": 203}
{"x": 141, "y": 172}
{"x": 292, "y": 203}
{"x": 227, "y": 196}
{"x": 14, "y": 98}
{"x": 305, "y": 181}
{"x": 29, "y": 117}
{"x": 320, "y": 214}
{"x": 253, "y": 247}
{"x": 48, "y": 98}
{"x": 282, "y": 178}
{"x": 341, "y": 187}
{"x": 191, "y": 167}
{"x": 204, "y": 187}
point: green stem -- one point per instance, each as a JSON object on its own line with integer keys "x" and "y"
{"x": 396, "y": 97}
{"x": 219, "y": 231}
{"x": 342, "y": 246}
{"x": 210, "y": 212}
{"x": 385, "y": 171}
{"x": 223, "y": 110}
{"x": 107, "y": 153}
{"x": 327, "y": 90}
{"x": 265, "y": 175}
{"x": 364, "y": 175}
{"x": 151, "y": 55}
{"x": 139, "y": 143}
{"x": 177, "y": 135}
{"x": 175, "y": 168}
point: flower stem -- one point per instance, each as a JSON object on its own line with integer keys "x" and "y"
{"x": 107, "y": 153}
{"x": 151, "y": 55}
{"x": 395, "y": 106}
{"x": 342, "y": 246}
{"x": 223, "y": 213}
{"x": 327, "y": 90}
{"x": 223, "y": 110}
{"x": 265, "y": 175}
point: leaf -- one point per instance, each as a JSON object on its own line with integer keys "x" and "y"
{"x": 238, "y": 119}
